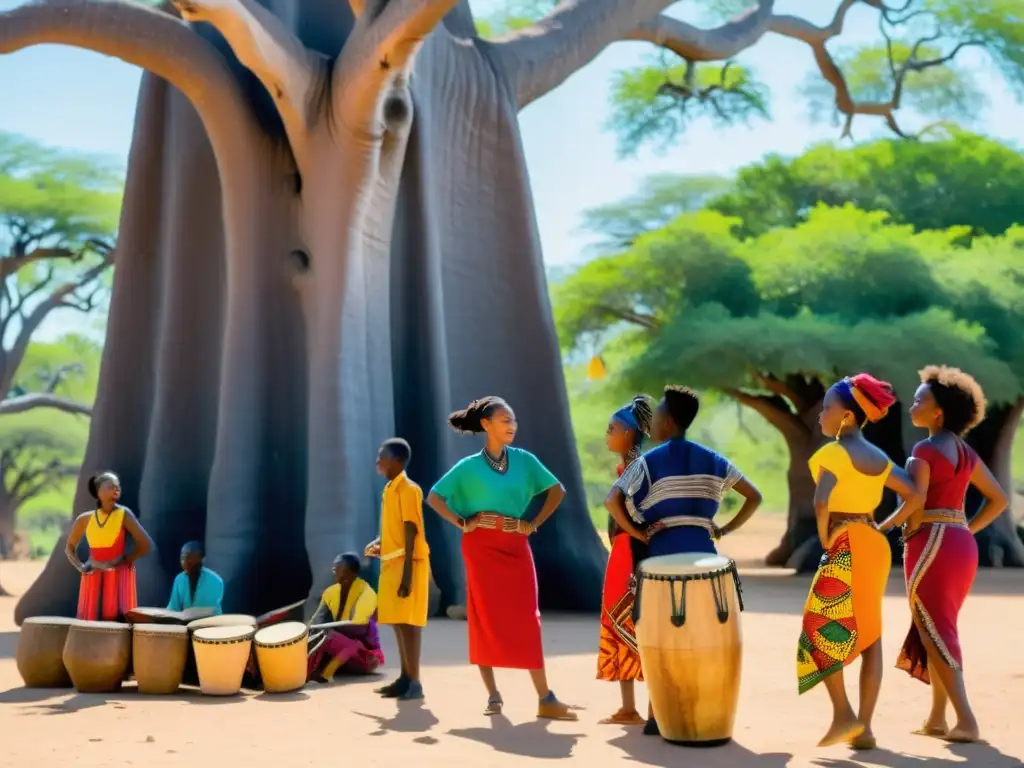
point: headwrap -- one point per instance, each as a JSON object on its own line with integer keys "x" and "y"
{"x": 625, "y": 416}
{"x": 872, "y": 396}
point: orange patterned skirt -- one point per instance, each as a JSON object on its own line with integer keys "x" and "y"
{"x": 107, "y": 595}
{"x": 618, "y": 657}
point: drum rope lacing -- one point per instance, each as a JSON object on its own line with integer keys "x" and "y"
{"x": 679, "y": 606}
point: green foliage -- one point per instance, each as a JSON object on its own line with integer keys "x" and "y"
{"x": 995, "y": 25}
{"x": 52, "y": 198}
{"x": 710, "y": 348}
{"x": 663, "y": 198}
{"x": 655, "y": 103}
{"x": 46, "y": 435}
{"x": 695, "y": 258}
{"x": 947, "y": 91}
{"x": 843, "y": 291}
{"x": 512, "y": 16}
{"x": 926, "y": 184}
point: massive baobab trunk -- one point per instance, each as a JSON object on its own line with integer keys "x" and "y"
{"x": 257, "y": 316}
{"x": 302, "y": 273}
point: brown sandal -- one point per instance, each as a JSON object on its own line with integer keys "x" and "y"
{"x": 623, "y": 717}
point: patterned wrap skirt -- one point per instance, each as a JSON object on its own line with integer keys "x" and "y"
{"x": 940, "y": 562}
{"x": 618, "y": 657}
{"x": 843, "y": 613}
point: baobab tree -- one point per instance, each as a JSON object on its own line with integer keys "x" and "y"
{"x": 328, "y": 237}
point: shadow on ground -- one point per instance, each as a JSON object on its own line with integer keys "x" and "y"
{"x": 972, "y": 755}
{"x": 531, "y": 739}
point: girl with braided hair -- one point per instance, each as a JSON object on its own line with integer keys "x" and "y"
{"x": 940, "y": 555}
{"x": 618, "y": 658}
{"x": 487, "y": 496}
{"x": 843, "y": 615}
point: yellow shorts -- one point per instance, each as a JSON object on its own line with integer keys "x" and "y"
{"x": 412, "y": 610}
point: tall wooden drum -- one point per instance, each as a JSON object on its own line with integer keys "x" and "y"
{"x": 159, "y": 652}
{"x": 688, "y": 630}
{"x": 40, "y": 653}
{"x": 97, "y": 655}
{"x": 221, "y": 656}
{"x": 281, "y": 651}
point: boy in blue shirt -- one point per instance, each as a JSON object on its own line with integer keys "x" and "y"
{"x": 196, "y": 586}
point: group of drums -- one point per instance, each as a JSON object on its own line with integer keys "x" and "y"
{"x": 687, "y": 617}
{"x": 216, "y": 653}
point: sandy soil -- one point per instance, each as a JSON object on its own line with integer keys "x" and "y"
{"x": 322, "y": 725}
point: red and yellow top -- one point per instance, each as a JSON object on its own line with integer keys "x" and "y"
{"x": 105, "y": 534}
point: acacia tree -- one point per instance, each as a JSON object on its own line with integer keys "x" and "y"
{"x": 326, "y": 274}
{"x": 772, "y": 322}
{"x": 58, "y": 218}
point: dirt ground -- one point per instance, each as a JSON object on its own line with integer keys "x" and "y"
{"x": 346, "y": 722}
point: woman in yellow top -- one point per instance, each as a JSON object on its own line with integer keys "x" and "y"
{"x": 843, "y": 615}
{"x": 353, "y": 644}
{"x": 107, "y": 590}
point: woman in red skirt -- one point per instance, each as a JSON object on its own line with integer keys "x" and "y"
{"x": 486, "y": 495}
{"x": 940, "y": 554}
{"x": 618, "y": 658}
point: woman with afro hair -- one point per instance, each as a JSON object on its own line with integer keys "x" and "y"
{"x": 940, "y": 554}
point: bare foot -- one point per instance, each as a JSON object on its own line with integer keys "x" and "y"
{"x": 934, "y": 729}
{"x": 961, "y": 735}
{"x": 624, "y": 717}
{"x": 842, "y": 731}
{"x": 864, "y": 741}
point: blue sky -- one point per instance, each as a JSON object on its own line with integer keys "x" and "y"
{"x": 78, "y": 99}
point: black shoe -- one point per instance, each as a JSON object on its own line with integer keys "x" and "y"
{"x": 394, "y": 689}
{"x": 651, "y": 728}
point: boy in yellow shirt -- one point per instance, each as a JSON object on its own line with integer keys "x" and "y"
{"x": 404, "y": 588}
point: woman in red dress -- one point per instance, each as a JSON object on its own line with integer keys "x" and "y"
{"x": 618, "y": 658}
{"x": 940, "y": 554}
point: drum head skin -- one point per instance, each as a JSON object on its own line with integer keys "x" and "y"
{"x": 100, "y": 626}
{"x": 684, "y": 564}
{"x": 49, "y": 621}
{"x": 223, "y": 634}
{"x": 161, "y": 629}
{"x": 280, "y": 634}
{"x": 224, "y": 620}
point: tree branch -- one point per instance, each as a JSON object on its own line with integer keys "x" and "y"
{"x": 543, "y": 56}
{"x": 263, "y": 44}
{"x": 24, "y": 403}
{"x": 61, "y": 296}
{"x": 135, "y": 33}
{"x": 374, "y": 65}
{"x": 774, "y": 410}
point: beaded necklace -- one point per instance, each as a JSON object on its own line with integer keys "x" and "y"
{"x": 500, "y": 464}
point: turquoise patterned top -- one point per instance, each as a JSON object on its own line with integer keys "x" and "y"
{"x": 471, "y": 486}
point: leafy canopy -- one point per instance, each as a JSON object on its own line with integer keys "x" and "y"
{"x": 842, "y": 291}
{"x": 966, "y": 180}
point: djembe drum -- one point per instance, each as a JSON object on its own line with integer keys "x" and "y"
{"x": 221, "y": 656}
{"x": 688, "y": 630}
{"x": 97, "y": 655}
{"x": 159, "y": 652}
{"x": 191, "y": 674}
{"x": 281, "y": 651}
{"x": 40, "y": 652}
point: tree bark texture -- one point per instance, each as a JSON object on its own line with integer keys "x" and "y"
{"x": 999, "y": 545}
{"x": 249, "y": 374}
